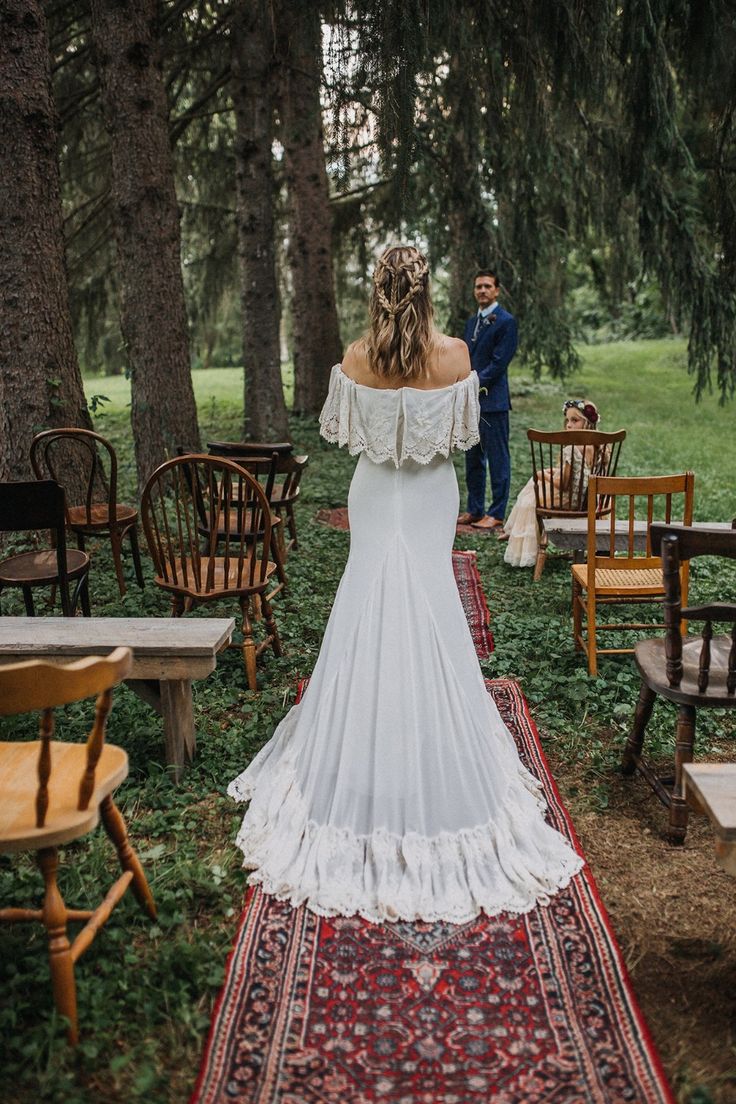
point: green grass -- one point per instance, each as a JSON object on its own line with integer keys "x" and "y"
{"x": 146, "y": 991}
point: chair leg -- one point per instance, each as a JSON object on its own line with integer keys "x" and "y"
{"x": 115, "y": 827}
{"x": 292, "y": 525}
{"x": 136, "y": 550}
{"x": 249, "y": 646}
{"x": 684, "y": 743}
{"x": 278, "y": 554}
{"x": 177, "y": 605}
{"x": 541, "y": 557}
{"x": 635, "y": 742}
{"x": 28, "y": 601}
{"x": 60, "y": 952}
{"x": 591, "y": 641}
{"x": 80, "y": 541}
{"x": 577, "y": 621}
{"x": 83, "y": 593}
{"x": 116, "y": 542}
{"x": 271, "y": 626}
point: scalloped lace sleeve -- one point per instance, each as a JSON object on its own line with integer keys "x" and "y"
{"x": 405, "y": 424}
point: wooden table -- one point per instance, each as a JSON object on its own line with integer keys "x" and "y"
{"x": 167, "y": 654}
{"x": 571, "y": 534}
{"x": 711, "y": 789}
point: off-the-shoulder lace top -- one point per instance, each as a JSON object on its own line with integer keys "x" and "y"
{"x": 402, "y": 424}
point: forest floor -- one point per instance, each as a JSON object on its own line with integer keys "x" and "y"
{"x": 146, "y": 991}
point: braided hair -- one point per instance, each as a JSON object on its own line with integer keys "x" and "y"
{"x": 401, "y": 314}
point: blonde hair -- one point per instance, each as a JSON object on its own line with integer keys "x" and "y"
{"x": 402, "y": 328}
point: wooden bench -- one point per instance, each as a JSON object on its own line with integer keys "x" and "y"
{"x": 571, "y": 534}
{"x": 711, "y": 789}
{"x": 167, "y": 655}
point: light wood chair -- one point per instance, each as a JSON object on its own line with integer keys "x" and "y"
{"x": 50, "y": 453}
{"x": 198, "y": 497}
{"x": 568, "y": 497}
{"x": 693, "y": 671}
{"x": 53, "y": 792}
{"x": 40, "y": 505}
{"x": 624, "y": 577}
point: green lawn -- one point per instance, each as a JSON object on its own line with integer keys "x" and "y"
{"x": 146, "y": 991}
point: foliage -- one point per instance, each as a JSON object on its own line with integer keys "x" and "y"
{"x": 146, "y": 991}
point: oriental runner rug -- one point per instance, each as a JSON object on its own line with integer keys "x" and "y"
{"x": 465, "y": 567}
{"x": 534, "y": 1009}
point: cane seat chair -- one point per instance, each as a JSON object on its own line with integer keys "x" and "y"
{"x": 695, "y": 671}
{"x": 624, "y": 576}
{"x": 567, "y": 496}
{"x": 95, "y": 456}
{"x": 200, "y": 500}
{"x": 53, "y": 792}
{"x": 40, "y": 505}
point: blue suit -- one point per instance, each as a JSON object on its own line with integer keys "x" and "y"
{"x": 492, "y": 343}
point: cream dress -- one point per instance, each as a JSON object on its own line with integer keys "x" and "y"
{"x": 521, "y": 524}
{"x": 394, "y": 789}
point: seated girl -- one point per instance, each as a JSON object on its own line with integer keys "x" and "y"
{"x": 521, "y": 529}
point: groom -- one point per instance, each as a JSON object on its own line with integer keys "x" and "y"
{"x": 491, "y": 338}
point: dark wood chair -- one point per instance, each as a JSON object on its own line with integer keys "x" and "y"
{"x": 621, "y": 575}
{"x": 693, "y": 671}
{"x": 568, "y": 497}
{"x": 33, "y": 506}
{"x": 196, "y": 495}
{"x": 51, "y": 794}
{"x": 50, "y": 452}
{"x": 262, "y": 468}
{"x": 286, "y": 494}
{"x": 249, "y": 448}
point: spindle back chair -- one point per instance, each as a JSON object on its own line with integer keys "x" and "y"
{"x": 695, "y": 671}
{"x": 566, "y": 496}
{"x": 53, "y": 792}
{"x": 198, "y": 513}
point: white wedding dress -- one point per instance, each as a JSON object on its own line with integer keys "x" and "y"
{"x": 394, "y": 789}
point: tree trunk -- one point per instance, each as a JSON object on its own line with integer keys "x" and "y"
{"x": 317, "y": 343}
{"x": 40, "y": 382}
{"x": 252, "y": 71}
{"x": 153, "y": 315}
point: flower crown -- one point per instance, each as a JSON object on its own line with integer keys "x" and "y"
{"x": 587, "y": 409}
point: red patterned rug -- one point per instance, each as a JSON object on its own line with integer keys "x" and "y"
{"x": 536, "y": 1009}
{"x": 465, "y": 566}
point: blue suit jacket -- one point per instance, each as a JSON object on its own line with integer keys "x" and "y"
{"x": 490, "y": 355}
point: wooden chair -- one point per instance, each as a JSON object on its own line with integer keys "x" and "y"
{"x": 40, "y": 505}
{"x": 286, "y": 492}
{"x": 54, "y": 792}
{"x": 568, "y": 498}
{"x": 249, "y": 448}
{"x": 626, "y": 577}
{"x": 694, "y": 671}
{"x": 49, "y": 454}
{"x": 192, "y": 495}
{"x": 262, "y": 468}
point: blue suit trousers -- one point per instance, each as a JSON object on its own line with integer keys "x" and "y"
{"x": 493, "y": 451}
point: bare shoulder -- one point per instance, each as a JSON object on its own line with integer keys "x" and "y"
{"x": 454, "y": 359}
{"x": 355, "y": 362}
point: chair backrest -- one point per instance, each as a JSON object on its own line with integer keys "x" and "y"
{"x": 38, "y": 504}
{"x": 568, "y": 497}
{"x": 262, "y": 468}
{"x": 249, "y": 448}
{"x": 667, "y": 498}
{"x": 50, "y": 455}
{"x": 679, "y": 544}
{"x": 190, "y": 510}
{"x": 37, "y": 685}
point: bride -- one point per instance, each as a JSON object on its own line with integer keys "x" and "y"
{"x": 394, "y": 789}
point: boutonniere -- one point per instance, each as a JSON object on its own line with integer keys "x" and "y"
{"x": 482, "y": 390}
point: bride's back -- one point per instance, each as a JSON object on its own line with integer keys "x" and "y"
{"x": 447, "y": 361}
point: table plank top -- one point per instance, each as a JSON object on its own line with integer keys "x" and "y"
{"x": 714, "y": 785}
{"x": 147, "y": 636}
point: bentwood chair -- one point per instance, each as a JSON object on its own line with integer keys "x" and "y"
{"x": 693, "y": 671}
{"x": 195, "y": 500}
{"x": 54, "y": 792}
{"x": 40, "y": 505}
{"x": 568, "y": 498}
{"x": 52, "y": 451}
{"x": 622, "y": 574}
